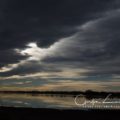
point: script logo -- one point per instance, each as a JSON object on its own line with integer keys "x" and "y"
{"x": 95, "y": 102}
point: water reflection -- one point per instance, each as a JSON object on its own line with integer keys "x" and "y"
{"x": 47, "y": 101}
{"x": 36, "y": 101}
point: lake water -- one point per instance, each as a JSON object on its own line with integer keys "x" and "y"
{"x": 58, "y": 101}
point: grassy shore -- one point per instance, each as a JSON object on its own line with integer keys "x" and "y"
{"x": 11, "y": 113}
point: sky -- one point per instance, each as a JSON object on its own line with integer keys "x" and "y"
{"x": 60, "y": 45}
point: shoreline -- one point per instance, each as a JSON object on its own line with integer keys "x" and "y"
{"x": 20, "y": 113}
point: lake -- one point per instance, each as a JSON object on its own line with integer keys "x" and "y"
{"x": 58, "y": 101}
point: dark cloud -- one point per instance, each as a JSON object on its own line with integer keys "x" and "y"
{"x": 95, "y": 47}
{"x": 10, "y": 56}
{"x": 89, "y": 31}
{"x": 44, "y": 21}
{"x": 30, "y": 68}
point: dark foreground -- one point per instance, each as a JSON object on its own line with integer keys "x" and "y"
{"x": 9, "y": 113}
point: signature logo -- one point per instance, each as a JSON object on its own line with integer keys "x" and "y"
{"x": 107, "y": 101}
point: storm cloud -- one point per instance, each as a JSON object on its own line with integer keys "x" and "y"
{"x": 64, "y": 39}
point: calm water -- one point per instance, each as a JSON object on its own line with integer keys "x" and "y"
{"x": 57, "y": 101}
